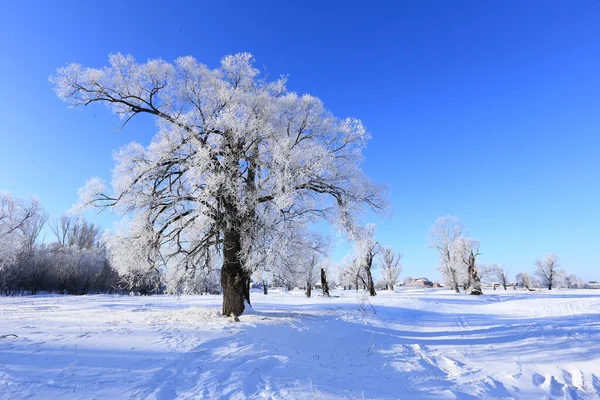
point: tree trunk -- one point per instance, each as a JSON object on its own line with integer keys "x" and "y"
{"x": 247, "y": 291}
{"x": 265, "y": 288}
{"x": 454, "y": 280}
{"x": 234, "y": 279}
{"x": 308, "y": 290}
{"x": 474, "y": 276}
{"x": 370, "y": 283}
{"x": 324, "y": 285}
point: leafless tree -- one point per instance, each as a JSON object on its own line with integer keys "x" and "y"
{"x": 15, "y": 213}
{"x": 366, "y": 249}
{"x": 468, "y": 250}
{"x": 499, "y": 273}
{"x": 390, "y": 265}
{"x": 71, "y": 230}
{"x": 573, "y": 282}
{"x": 350, "y": 272}
{"x": 525, "y": 280}
{"x": 443, "y": 237}
{"x": 548, "y": 270}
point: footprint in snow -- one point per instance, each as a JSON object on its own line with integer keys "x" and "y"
{"x": 556, "y": 388}
{"x": 538, "y": 379}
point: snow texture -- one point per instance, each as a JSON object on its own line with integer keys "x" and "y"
{"x": 429, "y": 344}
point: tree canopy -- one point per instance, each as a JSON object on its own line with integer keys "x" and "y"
{"x": 235, "y": 156}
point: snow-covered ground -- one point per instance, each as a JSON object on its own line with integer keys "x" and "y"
{"x": 417, "y": 344}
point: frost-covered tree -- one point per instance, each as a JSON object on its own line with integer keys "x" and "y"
{"x": 572, "y": 281}
{"x": 390, "y": 266}
{"x": 444, "y": 236}
{"x": 366, "y": 249}
{"x": 234, "y": 156}
{"x": 283, "y": 254}
{"x": 499, "y": 273}
{"x": 525, "y": 280}
{"x": 75, "y": 262}
{"x": 293, "y": 258}
{"x": 325, "y": 268}
{"x": 467, "y": 250}
{"x": 457, "y": 254}
{"x": 310, "y": 273}
{"x": 20, "y": 222}
{"x": 17, "y": 217}
{"x": 78, "y": 254}
{"x": 348, "y": 269}
{"x": 71, "y": 230}
{"x": 134, "y": 256}
{"x": 304, "y": 256}
{"x": 548, "y": 271}
{"x": 264, "y": 277}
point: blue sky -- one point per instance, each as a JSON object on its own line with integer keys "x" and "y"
{"x": 487, "y": 110}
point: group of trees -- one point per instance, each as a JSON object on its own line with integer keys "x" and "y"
{"x": 296, "y": 259}
{"x": 70, "y": 255}
{"x": 74, "y": 261}
{"x": 238, "y": 171}
{"x": 78, "y": 259}
{"x": 459, "y": 268}
{"x": 457, "y": 255}
{"x": 357, "y": 269}
{"x": 548, "y": 274}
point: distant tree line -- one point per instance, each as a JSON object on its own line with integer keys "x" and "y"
{"x": 74, "y": 261}
{"x": 72, "y": 256}
{"x": 548, "y": 275}
{"x": 460, "y": 270}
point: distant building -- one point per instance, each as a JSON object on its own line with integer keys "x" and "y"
{"x": 421, "y": 282}
{"x": 593, "y": 285}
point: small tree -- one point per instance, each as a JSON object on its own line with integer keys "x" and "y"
{"x": 547, "y": 271}
{"x": 350, "y": 272}
{"x": 499, "y": 273}
{"x": 367, "y": 249}
{"x": 573, "y": 282}
{"x": 443, "y": 237}
{"x": 391, "y": 267}
{"x": 525, "y": 280}
{"x": 468, "y": 250}
{"x": 310, "y": 274}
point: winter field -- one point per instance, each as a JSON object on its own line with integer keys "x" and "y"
{"x": 399, "y": 345}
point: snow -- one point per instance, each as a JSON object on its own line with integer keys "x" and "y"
{"x": 421, "y": 343}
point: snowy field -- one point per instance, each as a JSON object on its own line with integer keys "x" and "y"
{"x": 417, "y": 344}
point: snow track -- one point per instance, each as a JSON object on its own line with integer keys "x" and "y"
{"x": 417, "y": 344}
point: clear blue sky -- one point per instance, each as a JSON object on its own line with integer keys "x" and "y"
{"x": 487, "y": 110}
